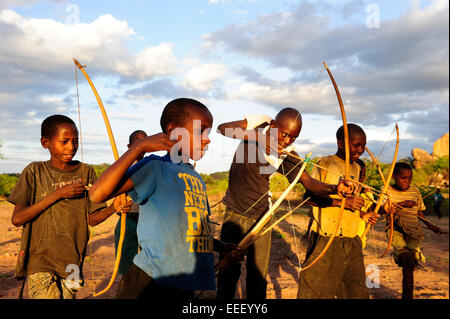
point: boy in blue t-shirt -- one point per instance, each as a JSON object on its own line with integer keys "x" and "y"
{"x": 176, "y": 254}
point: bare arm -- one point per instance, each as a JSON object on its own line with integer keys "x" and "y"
{"x": 353, "y": 203}
{"x": 114, "y": 180}
{"x": 24, "y": 214}
{"x": 344, "y": 188}
{"x": 118, "y": 205}
{"x": 316, "y": 186}
{"x": 430, "y": 226}
{"x": 238, "y": 130}
{"x": 227, "y": 127}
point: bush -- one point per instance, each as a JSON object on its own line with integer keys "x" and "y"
{"x": 216, "y": 183}
{"x": 7, "y": 183}
{"x": 99, "y": 168}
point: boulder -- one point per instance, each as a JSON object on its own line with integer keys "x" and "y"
{"x": 421, "y": 157}
{"x": 440, "y": 147}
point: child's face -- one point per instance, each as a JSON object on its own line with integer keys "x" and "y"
{"x": 287, "y": 132}
{"x": 356, "y": 143}
{"x": 198, "y": 128}
{"x": 136, "y": 138}
{"x": 63, "y": 145}
{"x": 403, "y": 179}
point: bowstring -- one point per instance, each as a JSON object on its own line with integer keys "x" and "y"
{"x": 244, "y": 215}
{"x": 267, "y": 192}
{"x": 293, "y": 228}
{"x": 385, "y": 144}
{"x": 376, "y": 164}
{"x": 308, "y": 97}
{"x": 91, "y": 262}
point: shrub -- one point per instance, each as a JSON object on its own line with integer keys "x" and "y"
{"x": 7, "y": 182}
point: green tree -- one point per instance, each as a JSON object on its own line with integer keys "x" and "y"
{"x": 7, "y": 183}
{"x": 99, "y": 168}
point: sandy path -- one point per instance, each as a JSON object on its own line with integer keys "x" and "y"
{"x": 430, "y": 283}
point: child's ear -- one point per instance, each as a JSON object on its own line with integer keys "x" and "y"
{"x": 44, "y": 142}
{"x": 169, "y": 128}
{"x": 341, "y": 144}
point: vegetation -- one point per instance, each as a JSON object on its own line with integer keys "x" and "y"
{"x": 100, "y": 168}
{"x": 217, "y": 183}
{"x": 7, "y": 182}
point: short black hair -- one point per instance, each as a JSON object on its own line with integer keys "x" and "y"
{"x": 50, "y": 125}
{"x": 132, "y": 135}
{"x": 401, "y": 165}
{"x": 177, "y": 112}
{"x": 352, "y": 129}
{"x": 290, "y": 113}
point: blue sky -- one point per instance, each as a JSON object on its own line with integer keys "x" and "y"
{"x": 389, "y": 58}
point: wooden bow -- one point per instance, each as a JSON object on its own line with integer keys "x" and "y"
{"x": 116, "y": 157}
{"x": 249, "y": 238}
{"x": 347, "y": 170}
{"x": 385, "y": 187}
{"x": 391, "y": 215}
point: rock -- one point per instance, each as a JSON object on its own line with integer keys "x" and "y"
{"x": 440, "y": 147}
{"x": 421, "y": 157}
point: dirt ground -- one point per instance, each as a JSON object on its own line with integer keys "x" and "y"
{"x": 432, "y": 282}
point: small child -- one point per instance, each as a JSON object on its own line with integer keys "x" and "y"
{"x": 130, "y": 243}
{"x": 51, "y": 204}
{"x": 176, "y": 256}
{"x": 437, "y": 201}
{"x": 408, "y": 233}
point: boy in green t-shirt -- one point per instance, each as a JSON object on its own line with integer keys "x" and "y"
{"x": 130, "y": 243}
{"x": 52, "y": 206}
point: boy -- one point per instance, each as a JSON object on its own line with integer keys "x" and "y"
{"x": 176, "y": 255}
{"x": 261, "y": 153}
{"x": 408, "y": 233}
{"x": 51, "y": 205}
{"x": 130, "y": 244}
{"x": 341, "y": 270}
{"x": 437, "y": 201}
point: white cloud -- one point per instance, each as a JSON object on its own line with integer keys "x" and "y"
{"x": 46, "y": 45}
{"x": 153, "y": 61}
{"x": 203, "y": 77}
{"x": 383, "y": 74}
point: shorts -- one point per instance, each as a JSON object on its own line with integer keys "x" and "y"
{"x": 401, "y": 242}
{"x": 45, "y": 285}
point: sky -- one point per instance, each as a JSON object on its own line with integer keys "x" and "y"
{"x": 390, "y": 60}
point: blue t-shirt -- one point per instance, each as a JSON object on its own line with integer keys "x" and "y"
{"x": 173, "y": 229}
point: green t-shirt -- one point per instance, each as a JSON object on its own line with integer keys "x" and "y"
{"x": 58, "y": 236}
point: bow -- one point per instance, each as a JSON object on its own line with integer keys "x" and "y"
{"x": 347, "y": 170}
{"x": 385, "y": 187}
{"x": 250, "y": 237}
{"x": 391, "y": 215}
{"x": 116, "y": 157}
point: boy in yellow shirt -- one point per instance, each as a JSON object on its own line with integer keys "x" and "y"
{"x": 341, "y": 271}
